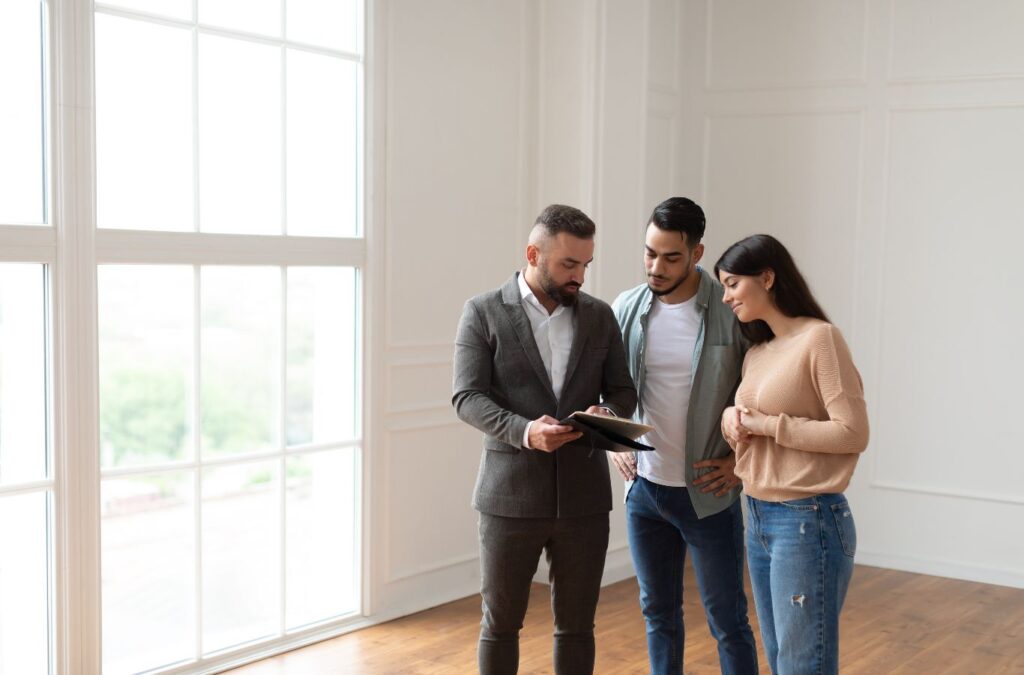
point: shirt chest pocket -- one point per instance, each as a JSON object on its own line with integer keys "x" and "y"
{"x": 721, "y": 363}
{"x": 717, "y": 376}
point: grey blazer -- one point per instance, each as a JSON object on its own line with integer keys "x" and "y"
{"x": 500, "y": 384}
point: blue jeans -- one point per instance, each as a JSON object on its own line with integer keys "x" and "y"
{"x": 662, "y": 525}
{"x": 800, "y": 555}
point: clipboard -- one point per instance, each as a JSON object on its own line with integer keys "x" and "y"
{"x": 609, "y": 433}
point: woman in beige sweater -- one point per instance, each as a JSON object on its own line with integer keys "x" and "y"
{"x": 798, "y": 427}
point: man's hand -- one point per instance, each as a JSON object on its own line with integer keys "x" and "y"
{"x": 732, "y": 427}
{"x": 625, "y": 463}
{"x": 548, "y": 435}
{"x": 599, "y": 410}
{"x": 721, "y": 478}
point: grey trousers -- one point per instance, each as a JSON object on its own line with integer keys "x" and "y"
{"x": 510, "y": 550}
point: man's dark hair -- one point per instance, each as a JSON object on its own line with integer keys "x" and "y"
{"x": 790, "y": 292}
{"x": 682, "y": 215}
{"x": 559, "y": 218}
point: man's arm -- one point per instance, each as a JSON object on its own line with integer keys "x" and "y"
{"x": 473, "y": 368}
{"x": 471, "y": 385}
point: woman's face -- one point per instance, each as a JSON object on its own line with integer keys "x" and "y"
{"x": 748, "y": 296}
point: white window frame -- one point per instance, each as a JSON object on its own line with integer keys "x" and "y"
{"x": 73, "y": 248}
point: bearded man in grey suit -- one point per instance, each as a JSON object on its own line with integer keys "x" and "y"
{"x": 526, "y": 356}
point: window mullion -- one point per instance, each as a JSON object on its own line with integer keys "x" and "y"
{"x": 76, "y": 450}
{"x": 187, "y": 248}
{"x": 197, "y": 430}
{"x": 195, "y": 118}
{"x": 283, "y": 461}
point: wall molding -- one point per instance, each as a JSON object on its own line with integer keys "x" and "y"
{"x": 447, "y": 563}
{"x": 419, "y": 419}
{"x": 799, "y": 111}
{"x": 671, "y": 86}
{"x": 618, "y": 565}
{"x": 957, "y": 79}
{"x": 783, "y": 85}
{"x": 943, "y": 568}
{"x": 951, "y": 107}
{"x": 881, "y": 301}
{"x": 917, "y": 80}
{"x": 426, "y": 361}
{"x": 936, "y": 491}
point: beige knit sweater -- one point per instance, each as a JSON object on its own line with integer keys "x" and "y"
{"x": 817, "y": 426}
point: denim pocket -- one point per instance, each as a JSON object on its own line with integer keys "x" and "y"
{"x": 808, "y": 504}
{"x": 845, "y": 528}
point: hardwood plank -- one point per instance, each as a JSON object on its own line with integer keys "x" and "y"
{"x": 893, "y": 622}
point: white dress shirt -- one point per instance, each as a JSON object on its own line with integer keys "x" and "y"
{"x": 553, "y": 334}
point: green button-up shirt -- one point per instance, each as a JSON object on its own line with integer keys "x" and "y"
{"x": 718, "y": 353}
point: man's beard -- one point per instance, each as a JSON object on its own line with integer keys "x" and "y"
{"x": 686, "y": 275}
{"x": 559, "y": 294}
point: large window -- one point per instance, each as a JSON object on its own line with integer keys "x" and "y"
{"x": 23, "y": 124}
{"x": 227, "y": 440}
{"x": 181, "y": 266}
{"x": 27, "y": 486}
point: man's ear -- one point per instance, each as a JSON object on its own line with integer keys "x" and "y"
{"x": 698, "y": 253}
{"x": 532, "y": 254}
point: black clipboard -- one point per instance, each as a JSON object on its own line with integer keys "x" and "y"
{"x": 609, "y": 433}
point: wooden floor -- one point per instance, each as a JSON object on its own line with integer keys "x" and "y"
{"x": 893, "y": 622}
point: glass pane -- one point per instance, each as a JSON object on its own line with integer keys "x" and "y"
{"x": 176, "y": 9}
{"x": 330, "y": 23}
{"x": 241, "y": 359}
{"x": 143, "y": 125}
{"x": 252, "y": 16}
{"x": 22, "y": 373}
{"x": 21, "y": 116}
{"x": 149, "y": 571}
{"x": 146, "y": 363}
{"x": 321, "y": 355}
{"x": 321, "y": 541}
{"x": 323, "y": 156}
{"x": 24, "y": 574}
{"x": 241, "y": 554}
{"x": 240, "y": 132}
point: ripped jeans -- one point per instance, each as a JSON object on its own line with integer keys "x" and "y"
{"x": 800, "y": 556}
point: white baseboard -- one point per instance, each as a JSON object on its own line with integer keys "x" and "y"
{"x": 943, "y": 568}
{"x": 617, "y": 566}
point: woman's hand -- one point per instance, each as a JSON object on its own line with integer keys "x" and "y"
{"x": 732, "y": 429}
{"x": 755, "y": 421}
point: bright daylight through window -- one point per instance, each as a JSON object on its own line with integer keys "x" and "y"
{"x": 215, "y": 169}
{"x": 26, "y": 470}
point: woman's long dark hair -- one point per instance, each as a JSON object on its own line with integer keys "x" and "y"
{"x": 757, "y": 253}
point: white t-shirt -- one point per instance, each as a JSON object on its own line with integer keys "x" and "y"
{"x": 668, "y": 378}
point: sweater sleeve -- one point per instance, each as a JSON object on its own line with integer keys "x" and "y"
{"x": 841, "y": 391}
{"x": 722, "y": 426}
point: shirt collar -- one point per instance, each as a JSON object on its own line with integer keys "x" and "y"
{"x": 530, "y": 298}
{"x": 703, "y": 295}
{"x": 704, "y": 288}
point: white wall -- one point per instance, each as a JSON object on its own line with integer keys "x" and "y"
{"x": 883, "y": 142}
{"x": 880, "y": 140}
{"x": 450, "y": 144}
{"x": 482, "y": 112}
